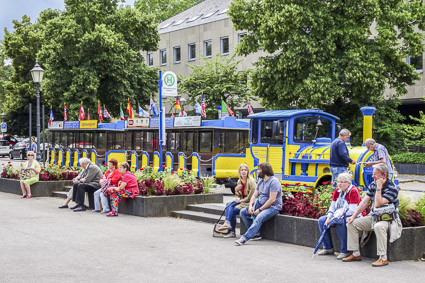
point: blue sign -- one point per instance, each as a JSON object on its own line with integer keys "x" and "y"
{"x": 71, "y": 125}
{"x": 3, "y": 127}
{"x": 169, "y": 122}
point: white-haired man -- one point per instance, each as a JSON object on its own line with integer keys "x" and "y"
{"x": 86, "y": 181}
{"x": 384, "y": 194}
{"x": 380, "y": 155}
{"x": 340, "y": 158}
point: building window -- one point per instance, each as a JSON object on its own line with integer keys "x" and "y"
{"x": 177, "y": 54}
{"x": 192, "y": 51}
{"x": 224, "y": 45}
{"x": 416, "y": 62}
{"x": 207, "y": 48}
{"x": 163, "y": 56}
{"x": 240, "y": 36}
{"x": 150, "y": 59}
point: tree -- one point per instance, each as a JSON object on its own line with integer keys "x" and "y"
{"x": 415, "y": 133}
{"x": 5, "y": 74}
{"x": 165, "y": 9}
{"x": 217, "y": 79}
{"x": 335, "y": 55}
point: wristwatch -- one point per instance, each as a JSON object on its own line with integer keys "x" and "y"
{"x": 260, "y": 209}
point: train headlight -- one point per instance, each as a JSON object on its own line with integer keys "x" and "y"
{"x": 395, "y": 174}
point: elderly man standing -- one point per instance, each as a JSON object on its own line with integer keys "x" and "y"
{"x": 384, "y": 196}
{"x": 380, "y": 156}
{"x": 86, "y": 181}
{"x": 269, "y": 203}
{"x": 340, "y": 159}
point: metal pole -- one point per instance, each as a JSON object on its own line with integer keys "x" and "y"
{"x": 29, "y": 148}
{"x": 160, "y": 121}
{"x": 43, "y": 154}
{"x": 38, "y": 122}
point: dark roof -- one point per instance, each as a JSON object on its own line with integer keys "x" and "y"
{"x": 205, "y": 12}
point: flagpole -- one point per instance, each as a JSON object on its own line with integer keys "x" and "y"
{"x": 160, "y": 121}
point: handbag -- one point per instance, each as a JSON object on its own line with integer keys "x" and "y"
{"x": 384, "y": 213}
{"x": 25, "y": 174}
{"x": 104, "y": 186}
{"x": 220, "y": 234}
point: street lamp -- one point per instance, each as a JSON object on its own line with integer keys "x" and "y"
{"x": 37, "y": 76}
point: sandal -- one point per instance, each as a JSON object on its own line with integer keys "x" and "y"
{"x": 24, "y": 196}
{"x": 112, "y": 213}
{"x": 29, "y": 196}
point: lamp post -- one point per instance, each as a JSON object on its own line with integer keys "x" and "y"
{"x": 37, "y": 76}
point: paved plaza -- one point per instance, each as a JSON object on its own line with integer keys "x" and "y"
{"x": 40, "y": 243}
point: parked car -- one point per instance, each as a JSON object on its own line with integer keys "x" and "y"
{"x": 11, "y": 139}
{"x": 4, "y": 147}
{"x": 19, "y": 150}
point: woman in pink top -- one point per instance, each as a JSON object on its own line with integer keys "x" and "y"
{"x": 127, "y": 188}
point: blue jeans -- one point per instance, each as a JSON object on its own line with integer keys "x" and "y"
{"x": 231, "y": 212}
{"x": 254, "y": 226}
{"x": 341, "y": 231}
{"x": 335, "y": 173}
{"x": 99, "y": 196}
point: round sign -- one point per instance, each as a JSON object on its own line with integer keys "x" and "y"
{"x": 169, "y": 80}
{"x": 169, "y": 84}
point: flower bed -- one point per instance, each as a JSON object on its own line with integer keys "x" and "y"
{"x": 47, "y": 173}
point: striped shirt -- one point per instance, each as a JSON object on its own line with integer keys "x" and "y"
{"x": 389, "y": 192}
{"x": 381, "y": 152}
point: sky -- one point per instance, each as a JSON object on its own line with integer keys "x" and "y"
{"x": 14, "y": 10}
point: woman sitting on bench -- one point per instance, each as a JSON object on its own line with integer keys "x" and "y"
{"x": 127, "y": 188}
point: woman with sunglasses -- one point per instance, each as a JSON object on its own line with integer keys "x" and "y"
{"x": 33, "y": 167}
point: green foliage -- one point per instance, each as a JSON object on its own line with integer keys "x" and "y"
{"x": 323, "y": 54}
{"x": 171, "y": 181}
{"x": 218, "y": 78}
{"x": 409, "y": 158}
{"x": 208, "y": 183}
{"x": 420, "y": 206}
{"x": 405, "y": 204}
{"x": 90, "y": 52}
{"x": 164, "y": 9}
{"x": 415, "y": 133}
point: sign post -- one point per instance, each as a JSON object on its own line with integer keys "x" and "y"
{"x": 161, "y": 120}
{"x": 3, "y": 127}
{"x": 169, "y": 84}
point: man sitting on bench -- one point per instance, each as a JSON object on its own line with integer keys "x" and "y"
{"x": 384, "y": 196}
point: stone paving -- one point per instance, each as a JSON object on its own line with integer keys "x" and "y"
{"x": 40, "y": 243}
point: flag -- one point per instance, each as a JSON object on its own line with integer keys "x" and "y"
{"x": 226, "y": 108}
{"x": 65, "y": 113}
{"x": 172, "y": 115}
{"x": 82, "y": 114}
{"x": 153, "y": 108}
{"x": 250, "y": 111}
{"x": 51, "y": 117}
{"x": 121, "y": 113}
{"x": 203, "y": 107}
{"x": 99, "y": 111}
{"x": 143, "y": 113}
{"x": 106, "y": 113}
{"x": 197, "y": 108}
{"x": 130, "y": 110}
{"x": 88, "y": 113}
{"x": 178, "y": 106}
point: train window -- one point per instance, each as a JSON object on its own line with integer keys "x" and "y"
{"x": 178, "y": 142}
{"x": 187, "y": 141}
{"x": 218, "y": 146}
{"x": 231, "y": 142}
{"x": 254, "y": 131}
{"x": 119, "y": 141}
{"x": 110, "y": 139}
{"x": 306, "y": 129}
{"x": 101, "y": 141}
{"x": 205, "y": 141}
{"x": 272, "y": 132}
{"x": 128, "y": 140}
{"x": 137, "y": 141}
{"x": 148, "y": 141}
{"x": 243, "y": 141}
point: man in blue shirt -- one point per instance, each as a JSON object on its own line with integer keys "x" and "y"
{"x": 380, "y": 156}
{"x": 269, "y": 203}
{"x": 340, "y": 159}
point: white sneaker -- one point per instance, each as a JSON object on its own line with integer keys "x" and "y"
{"x": 326, "y": 252}
{"x": 342, "y": 255}
{"x": 241, "y": 241}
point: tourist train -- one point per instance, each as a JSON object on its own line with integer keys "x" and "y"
{"x": 295, "y": 142}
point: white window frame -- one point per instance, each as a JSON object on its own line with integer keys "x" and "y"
{"x": 149, "y": 58}
{"x": 175, "y": 54}
{"x": 161, "y": 55}
{"x": 189, "y": 51}
{"x": 240, "y": 36}
{"x": 420, "y": 71}
{"x": 205, "y": 48}
{"x": 222, "y": 45}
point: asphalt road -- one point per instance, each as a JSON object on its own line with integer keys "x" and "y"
{"x": 40, "y": 243}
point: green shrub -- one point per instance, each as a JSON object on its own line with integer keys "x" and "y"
{"x": 409, "y": 158}
{"x": 208, "y": 183}
{"x": 420, "y": 206}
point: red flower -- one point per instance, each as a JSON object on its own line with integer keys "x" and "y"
{"x": 333, "y": 192}
{"x": 189, "y": 171}
{"x": 286, "y": 185}
{"x": 181, "y": 169}
{"x": 56, "y": 163}
{"x": 297, "y": 184}
{"x": 163, "y": 166}
{"x": 325, "y": 183}
{"x": 172, "y": 172}
{"x": 142, "y": 168}
{"x": 305, "y": 185}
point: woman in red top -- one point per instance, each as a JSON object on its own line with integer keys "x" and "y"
{"x": 110, "y": 179}
{"x": 127, "y": 187}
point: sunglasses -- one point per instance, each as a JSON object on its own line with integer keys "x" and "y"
{"x": 30, "y": 154}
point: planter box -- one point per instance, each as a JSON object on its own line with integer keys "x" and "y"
{"x": 305, "y": 232}
{"x": 415, "y": 169}
{"x": 160, "y": 206}
{"x": 39, "y": 189}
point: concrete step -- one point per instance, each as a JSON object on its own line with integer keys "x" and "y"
{"x": 210, "y": 208}
{"x": 59, "y": 194}
{"x": 199, "y": 216}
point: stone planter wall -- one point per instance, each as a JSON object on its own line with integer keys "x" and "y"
{"x": 39, "y": 189}
{"x": 161, "y": 206}
{"x": 415, "y": 169}
{"x": 305, "y": 232}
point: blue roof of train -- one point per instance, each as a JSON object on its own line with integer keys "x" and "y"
{"x": 227, "y": 122}
{"x": 272, "y": 114}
